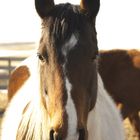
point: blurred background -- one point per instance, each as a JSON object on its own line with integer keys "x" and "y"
{"x": 118, "y": 22}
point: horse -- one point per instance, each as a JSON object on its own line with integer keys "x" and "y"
{"x": 57, "y": 93}
{"x": 120, "y": 71}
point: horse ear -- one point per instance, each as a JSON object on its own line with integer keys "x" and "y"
{"x": 90, "y": 6}
{"x": 43, "y": 7}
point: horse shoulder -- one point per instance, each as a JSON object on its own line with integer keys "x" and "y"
{"x": 17, "y": 79}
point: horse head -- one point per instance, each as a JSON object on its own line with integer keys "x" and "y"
{"x": 68, "y": 66}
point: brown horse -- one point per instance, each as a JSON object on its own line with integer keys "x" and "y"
{"x": 120, "y": 71}
{"x": 57, "y": 94}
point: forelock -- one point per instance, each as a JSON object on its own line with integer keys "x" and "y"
{"x": 63, "y": 21}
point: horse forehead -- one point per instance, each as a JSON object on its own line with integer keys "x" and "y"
{"x": 70, "y": 44}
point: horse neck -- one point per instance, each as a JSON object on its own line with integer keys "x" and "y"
{"x": 105, "y": 112}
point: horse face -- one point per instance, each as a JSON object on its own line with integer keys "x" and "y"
{"x": 68, "y": 67}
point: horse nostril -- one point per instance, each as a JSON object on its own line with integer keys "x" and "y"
{"x": 57, "y": 137}
{"x": 52, "y": 135}
{"x": 81, "y": 134}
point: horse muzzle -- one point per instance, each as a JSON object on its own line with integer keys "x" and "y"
{"x": 54, "y": 135}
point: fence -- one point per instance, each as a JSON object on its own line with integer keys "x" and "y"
{"x": 8, "y": 61}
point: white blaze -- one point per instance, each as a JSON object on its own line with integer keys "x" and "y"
{"x": 70, "y": 107}
{"x": 72, "y": 115}
{"x": 69, "y": 45}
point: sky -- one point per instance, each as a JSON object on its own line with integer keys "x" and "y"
{"x": 117, "y": 24}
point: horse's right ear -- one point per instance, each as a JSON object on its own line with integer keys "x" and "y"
{"x": 43, "y": 7}
{"x": 90, "y": 6}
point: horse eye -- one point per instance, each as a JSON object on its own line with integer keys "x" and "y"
{"x": 40, "y": 57}
{"x": 46, "y": 93}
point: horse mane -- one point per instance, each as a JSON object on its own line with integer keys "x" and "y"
{"x": 33, "y": 123}
{"x": 30, "y": 115}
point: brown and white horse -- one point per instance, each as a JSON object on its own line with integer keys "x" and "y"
{"x": 57, "y": 94}
{"x": 120, "y": 71}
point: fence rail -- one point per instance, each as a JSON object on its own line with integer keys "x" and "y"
{"x": 8, "y": 61}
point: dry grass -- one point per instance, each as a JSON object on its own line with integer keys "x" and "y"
{"x": 3, "y": 104}
{"x": 130, "y": 132}
{"x": 3, "y": 100}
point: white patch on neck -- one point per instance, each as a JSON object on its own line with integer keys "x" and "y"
{"x": 72, "y": 115}
{"x": 70, "y": 44}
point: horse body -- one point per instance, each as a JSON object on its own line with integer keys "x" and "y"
{"x": 59, "y": 90}
{"x": 120, "y": 71}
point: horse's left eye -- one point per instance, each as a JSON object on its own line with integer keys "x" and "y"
{"x": 41, "y": 57}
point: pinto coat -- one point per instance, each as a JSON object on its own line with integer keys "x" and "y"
{"x": 104, "y": 121}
